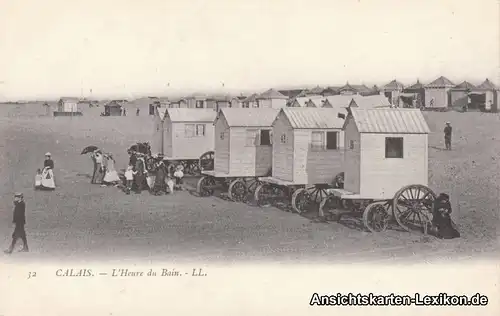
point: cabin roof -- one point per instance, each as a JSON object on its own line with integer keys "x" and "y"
{"x": 249, "y": 117}
{"x": 251, "y": 98}
{"x": 441, "y": 82}
{"x": 341, "y": 100}
{"x": 161, "y": 112}
{"x": 190, "y": 115}
{"x": 316, "y": 99}
{"x": 393, "y": 85}
{"x": 290, "y": 93}
{"x": 390, "y": 121}
{"x": 416, "y": 86}
{"x": 271, "y": 94}
{"x": 372, "y": 101}
{"x": 313, "y": 118}
{"x": 487, "y": 85}
{"x": 69, "y": 99}
{"x": 465, "y": 86}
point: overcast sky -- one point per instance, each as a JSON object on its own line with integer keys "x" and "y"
{"x": 129, "y": 48}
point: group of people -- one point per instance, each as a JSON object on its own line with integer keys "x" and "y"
{"x": 104, "y": 169}
{"x": 158, "y": 180}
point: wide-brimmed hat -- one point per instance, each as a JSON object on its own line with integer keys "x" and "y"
{"x": 48, "y": 154}
{"x": 19, "y": 195}
{"x": 448, "y": 123}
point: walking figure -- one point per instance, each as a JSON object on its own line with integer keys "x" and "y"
{"x": 19, "y": 220}
{"x": 447, "y": 135}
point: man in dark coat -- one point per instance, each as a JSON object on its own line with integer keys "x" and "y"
{"x": 19, "y": 220}
{"x": 447, "y": 135}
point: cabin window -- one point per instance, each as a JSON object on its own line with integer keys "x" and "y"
{"x": 222, "y": 135}
{"x": 331, "y": 140}
{"x": 283, "y": 138}
{"x": 200, "y": 129}
{"x": 317, "y": 140}
{"x": 199, "y": 104}
{"x": 250, "y": 137}
{"x": 394, "y": 147}
{"x": 189, "y": 130}
{"x": 265, "y": 137}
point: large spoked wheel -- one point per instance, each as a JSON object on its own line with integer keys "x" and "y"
{"x": 192, "y": 168}
{"x": 304, "y": 199}
{"x": 376, "y": 217}
{"x": 266, "y": 194}
{"x": 206, "y": 161}
{"x": 412, "y": 207}
{"x": 237, "y": 190}
{"x": 338, "y": 181}
{"x": 205, "y": 186}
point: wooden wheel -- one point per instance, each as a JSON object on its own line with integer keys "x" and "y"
{"x": 338, "y": 181}
{"x": 266, "y": 193}
{"x": 205, "y": 186}
{"x": 206, "y": 161}
{"x": 252, "y": 185}
{"x": 304, "y": 199}
{"x": 412, "y": 207}
{"x": 376, "y": 217}
{"x": 237, "y": 190}
{"x": 191, "y": 168}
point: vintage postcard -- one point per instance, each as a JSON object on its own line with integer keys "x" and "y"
{"x": 242, "y": 157}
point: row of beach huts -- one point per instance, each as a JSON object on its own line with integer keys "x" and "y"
{"x": 367, "y": 155}
{"x": 439, "y": 94}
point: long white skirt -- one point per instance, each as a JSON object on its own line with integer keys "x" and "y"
{"x": 47, "y": 181}
{"x": 111, "y": 176}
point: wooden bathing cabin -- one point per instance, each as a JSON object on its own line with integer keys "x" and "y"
{"x": 385, "y": 150}
{"x": 182, "y": 133}
{"x": 307, "y": 145}
{"x": 243, "y": 146}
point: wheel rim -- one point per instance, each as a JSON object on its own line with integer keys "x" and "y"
{"x": 237, "y": 191}
{"x": 265, "y": 194}
{"x": 204, "y": 186}
{"x": 206, "y": 161}
{"x": 412, "y": 207}
{"x": 376, "y": 217}
{"x": 300, "y": 200}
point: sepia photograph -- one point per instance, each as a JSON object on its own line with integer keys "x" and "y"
{"x": 248, "y": 157}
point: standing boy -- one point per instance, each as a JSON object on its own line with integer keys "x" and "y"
{"x": 19, "y": 222}
{"x": 447, "y": 135}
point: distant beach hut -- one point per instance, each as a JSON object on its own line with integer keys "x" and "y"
{"x": 271, "y": 99}
{"x": 113, "y": 108}
{"x": 68, "y": 106}
{"x": 460, "y": 97}
{"x": 415, "y": 92}
{"x": 438, "y": 93}
{"x": 490, "y": 91}
{"x": 393, "y": 91}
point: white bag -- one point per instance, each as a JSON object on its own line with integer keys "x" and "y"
{"x": 38, "y": 180}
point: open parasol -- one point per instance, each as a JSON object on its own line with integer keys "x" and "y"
{"x": 89, "y": 149}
